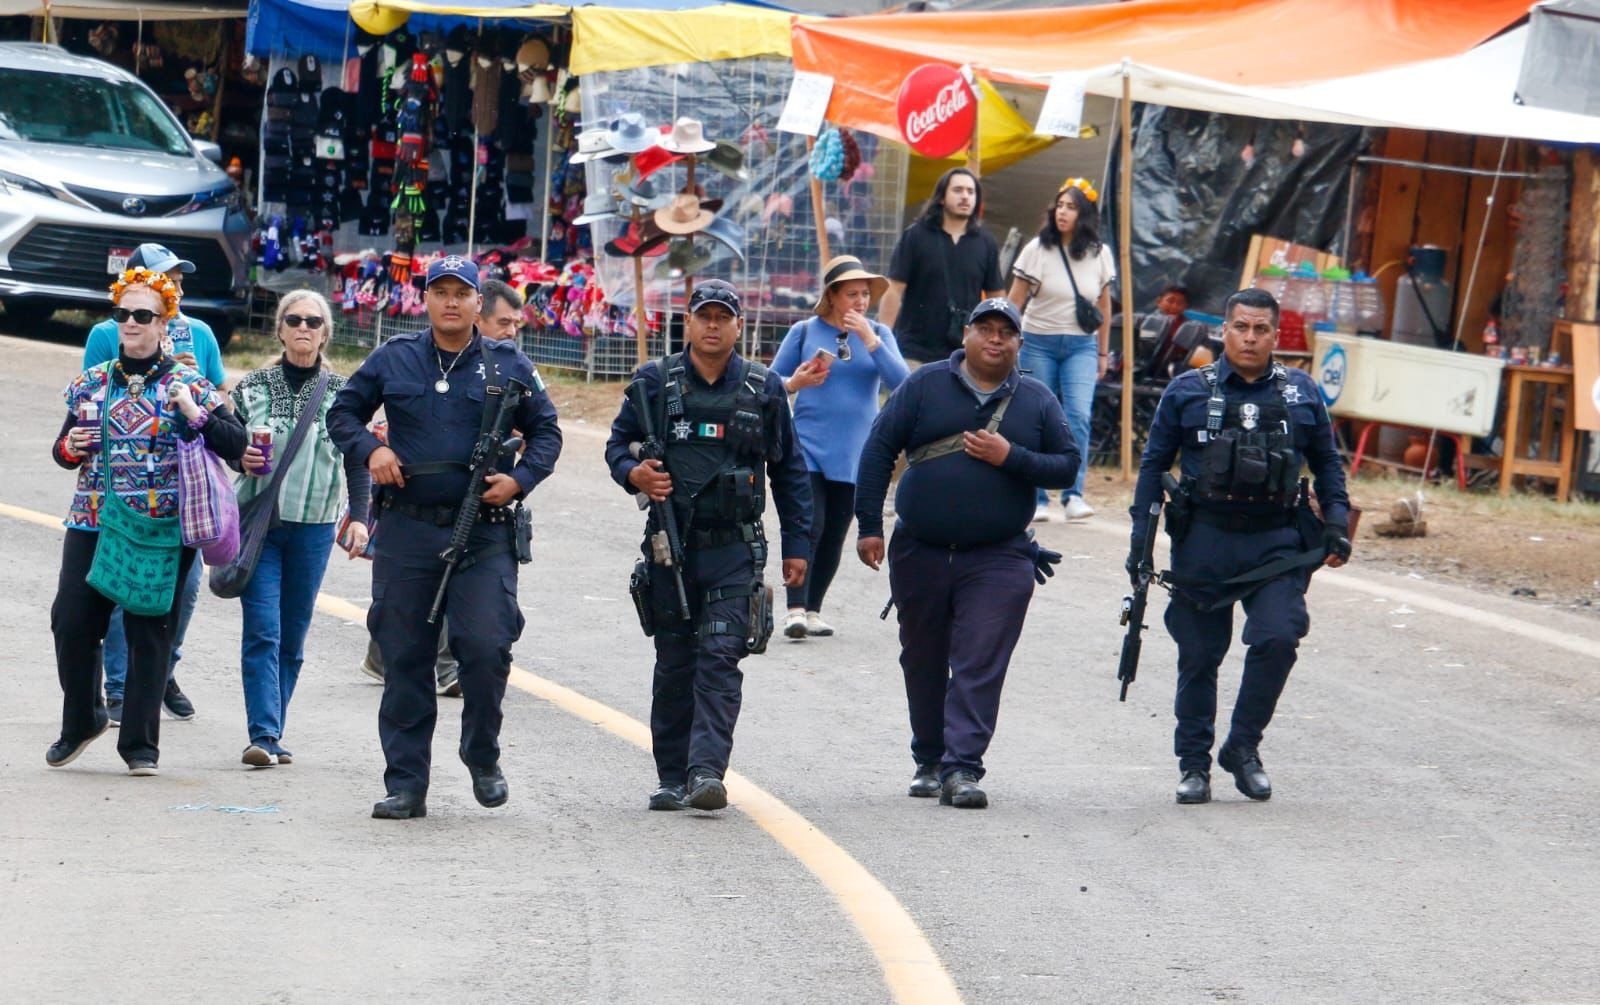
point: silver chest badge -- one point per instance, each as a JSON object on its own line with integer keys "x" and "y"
{"x": 1249, "y": 415}
{"x": 680, "y": 430}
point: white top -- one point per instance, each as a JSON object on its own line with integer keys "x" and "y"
{"x": 1052, "y": 310}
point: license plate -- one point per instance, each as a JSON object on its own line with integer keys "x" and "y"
{"x": 117, "y": 260}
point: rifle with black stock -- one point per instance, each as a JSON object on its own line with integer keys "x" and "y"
{"x": 1133, "y": 604}
{"x": 493, "y": 443}
{"x": 666, "y": 544}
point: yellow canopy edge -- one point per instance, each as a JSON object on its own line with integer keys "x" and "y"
{"x": 1004, "y": 137}
{"x": 611, "y": 39}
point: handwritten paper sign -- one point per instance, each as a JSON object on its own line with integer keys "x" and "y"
{"x": 807, "y": 104}
{"x": 1062, "y": 111}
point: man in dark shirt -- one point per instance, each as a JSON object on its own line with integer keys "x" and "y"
{"x": 942, "y": 265}
{"x": 1243, "y": 426}
{"x": 981, "y": 439}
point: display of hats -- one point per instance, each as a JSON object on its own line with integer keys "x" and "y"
{"x": 627, "y": 133}
{"x": 688, "y": 137}
{"x": 592, "y": 144}
{"x": 778, "y": 204}
{"x": 642, "y": 193}
{"x": 631, "y": 245}
{"x": 684, "y": 215}
{"x": 685, "y": 259}
{"x": 827, "y": 157}
{"x": 727, "y": 233}
{"x": 728, "y": 159}
{"x": 600, "y": 205}
{"x": 533, "y": 56}
{"x": 284, "y": 90}
{"x": 310, "y": 74}
{"x": 648, "y": 162}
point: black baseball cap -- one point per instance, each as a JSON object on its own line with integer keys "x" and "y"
{"x": 716, "y": 291}
{"x": 996, "y": 305}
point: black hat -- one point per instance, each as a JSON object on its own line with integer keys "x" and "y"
{"x": 996, "y": 305}
{"x": 716, "y": 291}
{"x": 310, "y": 74}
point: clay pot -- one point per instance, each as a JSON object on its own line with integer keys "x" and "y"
{"x": 1416, "y": 454}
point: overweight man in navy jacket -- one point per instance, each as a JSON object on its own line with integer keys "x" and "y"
{"x": 980, "y": 439}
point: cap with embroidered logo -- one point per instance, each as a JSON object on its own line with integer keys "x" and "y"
{"x": 460, "y": 268}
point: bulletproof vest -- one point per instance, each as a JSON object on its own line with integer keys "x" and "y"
{"x": 717, "y": 441}
{"x": 1247, "y": 450}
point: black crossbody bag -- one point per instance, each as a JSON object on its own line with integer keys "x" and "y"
{"x": 1089, "y": 316}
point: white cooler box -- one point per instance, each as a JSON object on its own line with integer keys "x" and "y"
{"x": 1408, "y": 385}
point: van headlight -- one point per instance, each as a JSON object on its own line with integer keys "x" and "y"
{"x": 15, "y": 184}
{"x": 225, "y": 196}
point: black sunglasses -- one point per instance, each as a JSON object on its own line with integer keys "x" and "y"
{"x": 294, "y": 321}
{"x": 122, "y": 314}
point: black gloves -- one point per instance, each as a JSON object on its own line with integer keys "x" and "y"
{"x": 1044, "y": 563}
{"x": 1336, "y": 539}
{"x": 1135, "y": 556}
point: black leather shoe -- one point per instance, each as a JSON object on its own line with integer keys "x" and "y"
{"x": 668, "y": 797}
{"x": 64, "y": 751}
{"x": 400, "y": 806}
{"x": 1195, "y": 788}
{"x": 706, "y": 791}
{"x": 961, "y": 790}
{"x": 489, "y": 786}
{"x": 1245, "y": 767}
{"x": 925, "y": 784}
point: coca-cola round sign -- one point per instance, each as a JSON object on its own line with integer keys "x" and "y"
{"x": 936, "y": 110}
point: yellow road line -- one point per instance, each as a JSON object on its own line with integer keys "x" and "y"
{"x": 911, "y": 969}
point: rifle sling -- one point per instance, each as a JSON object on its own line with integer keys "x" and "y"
{"x": 1247, "y": 582}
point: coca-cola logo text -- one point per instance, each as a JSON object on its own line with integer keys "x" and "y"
{"x": 936, "y": 110}
{"x": 952, "y": 98}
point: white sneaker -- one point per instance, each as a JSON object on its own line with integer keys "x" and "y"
{"x": 794, "y": 624}
{"x": 816, "y": 626}
{"x": 1041, "y": 513}
{"x": 1077, "y": 509}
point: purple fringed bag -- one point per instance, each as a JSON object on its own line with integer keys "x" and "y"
{"x": 208, "y": 511}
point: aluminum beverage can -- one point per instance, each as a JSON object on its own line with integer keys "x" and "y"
{"x": 261, "y": 439}
{"x": 89, "y": 419}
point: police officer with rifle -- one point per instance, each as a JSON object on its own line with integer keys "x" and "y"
{"x": 452, "y": 528}
{"x": 700, "y": 435}
{"x": 1243, "y": 530}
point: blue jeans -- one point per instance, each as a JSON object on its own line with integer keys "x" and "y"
{"x": 115, "y": 648}
{"x": 277, "y": 613}
{"x": 1069, "y": 366}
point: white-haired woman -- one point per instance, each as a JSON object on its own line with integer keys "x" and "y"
{"x": 281, "y": 594}
{"x": 135, "y": 409}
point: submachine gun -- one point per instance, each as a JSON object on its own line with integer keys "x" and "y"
{"x": 666, "y": 544}
{"x": 1133, "y": 605}
{"x": 494, "y": 442}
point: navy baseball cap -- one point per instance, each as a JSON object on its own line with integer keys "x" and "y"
{"x": 460, "y": 268}
{"x": 716, "y": 291}
{"x": 996, "y": 305}
{"x": 158, "y": 258}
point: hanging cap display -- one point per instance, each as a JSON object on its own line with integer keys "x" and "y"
{"x": 627, "y": 133}
{"x": 688, "y": 137}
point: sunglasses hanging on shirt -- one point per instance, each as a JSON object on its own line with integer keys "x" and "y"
{"x": 844, "y": 346}
{"x": 121, "y": 315}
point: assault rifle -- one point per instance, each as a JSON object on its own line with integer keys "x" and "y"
{"x": 493, "y": 444}
{"x": 1133, "y": 605}
{"x": 666, "y": 544}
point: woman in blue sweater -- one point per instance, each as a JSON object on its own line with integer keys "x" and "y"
{"x": 836, "y": 366}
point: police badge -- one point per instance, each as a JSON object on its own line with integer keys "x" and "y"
{"x": 1249, "y": 415}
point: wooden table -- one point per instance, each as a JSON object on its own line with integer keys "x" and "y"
{"x": 1531, "y": 418}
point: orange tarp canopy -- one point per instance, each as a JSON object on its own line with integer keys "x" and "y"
{"x": 1241, "y": 42}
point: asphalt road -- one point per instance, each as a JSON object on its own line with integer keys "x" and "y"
{"x": 1431, "y": 838}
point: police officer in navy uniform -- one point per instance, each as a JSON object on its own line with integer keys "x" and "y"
{"x": 980, "y": 440}
{"x": 434, "y": 388}
{"x": 722, "y": 420}
{"x": 1242, "y": 531}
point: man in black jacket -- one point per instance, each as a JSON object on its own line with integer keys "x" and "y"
{"x": 980, "y": 439}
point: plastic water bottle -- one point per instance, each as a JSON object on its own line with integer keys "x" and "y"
{"x": 1369, "y": 305}
{"x": 1302, "y": 306}
{"x": 1341, "y": 300}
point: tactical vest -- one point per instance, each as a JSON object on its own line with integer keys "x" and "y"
{"x": 717, "y": 442}
{"x": 1247, "y": 451}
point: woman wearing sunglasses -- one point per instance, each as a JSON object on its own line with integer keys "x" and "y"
{"x": 836, "y": 365}
{"x": 279, "y": 598}
{"x": 124, "y": 420}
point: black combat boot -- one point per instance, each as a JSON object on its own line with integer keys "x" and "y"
{"x": 1195, "y": 788}
{"x": 1244, "y": 764}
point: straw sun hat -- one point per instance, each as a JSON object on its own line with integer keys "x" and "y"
{"x": 845, "y": 267}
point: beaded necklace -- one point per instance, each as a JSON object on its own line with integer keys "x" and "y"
{"x": 135, "y": 381}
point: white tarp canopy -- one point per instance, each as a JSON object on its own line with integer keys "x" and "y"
{"x": 1471, "y": 94}
{"x": 126, "y": 10}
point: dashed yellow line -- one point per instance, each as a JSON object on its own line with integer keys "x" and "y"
{"x": 911, "y": 969}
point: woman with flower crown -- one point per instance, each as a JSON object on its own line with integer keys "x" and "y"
{"x": 124, "y": 420}
{"x": 1055, "y": 348}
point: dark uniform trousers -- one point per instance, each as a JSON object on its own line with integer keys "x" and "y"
{"x": 1275, "y": 622}
{"x": 481, "y": 605}
{"x": 78, "y": 619}
{"x": 698, "y": 685}
{"x": 961, "y": 613}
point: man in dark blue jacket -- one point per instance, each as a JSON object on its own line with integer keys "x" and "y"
{"x": 1243, "y": 427}
{"x": 434, "y": 388}
{"x": 980, "y": 440}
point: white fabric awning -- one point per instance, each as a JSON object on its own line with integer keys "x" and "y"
{"x": 127, "y": 10}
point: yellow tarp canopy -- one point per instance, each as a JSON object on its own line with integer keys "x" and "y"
{"x": 621, "y": 38}
{"x": 1004, "y": 137}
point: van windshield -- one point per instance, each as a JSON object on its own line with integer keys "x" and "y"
{"x": 86, "y": 111}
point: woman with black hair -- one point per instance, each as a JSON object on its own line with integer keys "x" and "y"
{"x": 1056, "y": 349}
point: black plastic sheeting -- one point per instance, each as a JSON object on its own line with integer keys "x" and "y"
{"x": 1196, "y": 201}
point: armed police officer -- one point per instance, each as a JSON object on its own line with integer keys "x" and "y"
{"x": 981, "y": 439}
{"x": 699, "y": 435}
{"x": 1242, "y": 530}
{"x": 449, "y": 394}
